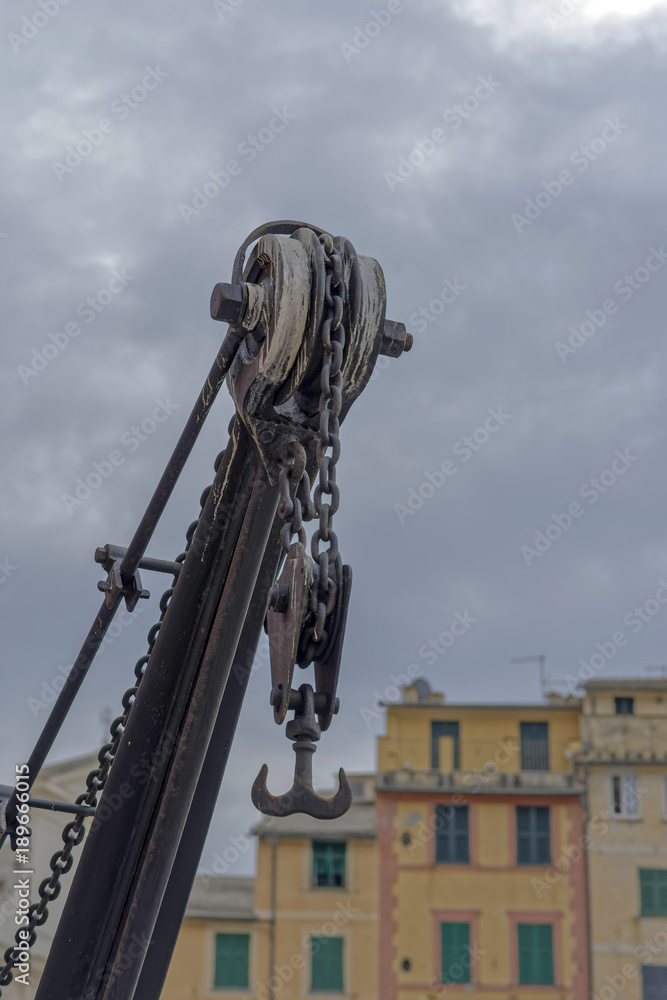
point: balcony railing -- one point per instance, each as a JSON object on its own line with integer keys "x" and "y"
{"x": 625, "y": 737}
{"x": 487, "y": 782}
{"x": 506, "y": 754}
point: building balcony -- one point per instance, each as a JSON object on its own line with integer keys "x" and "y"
{"x": 489, "y": 782}
{"x": 632, "y": 738}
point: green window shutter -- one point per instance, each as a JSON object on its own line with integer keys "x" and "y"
{"x": 653, "y": 889}
{"x": 536, "y": 961}
{"x": 533, "y": 837}
{"x": 327, "y": 964}
{"x": 231, "y": 959}
{"x": 328, "y": 863}
{"x": 455, "y": 940}
{"x": 451, "y": 835}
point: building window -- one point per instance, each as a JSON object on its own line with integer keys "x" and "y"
{"x": 624, "y": 706}
{"x": 533, "y": 840}
{"x": 231, "y": 959}
{"x": 536, "y": 961}
{"x": 624, "y": 795}
{"x": 534, "y": 746}
{"x": 455, "y": 945}
{"x": 439, "y": 729}
{"x": 654, "y": 982}
{"x": 328, "y": 863}
{"x": 327, "y": 964}
{"x": 451, "y": 835}
{"x": 653, "y": 891}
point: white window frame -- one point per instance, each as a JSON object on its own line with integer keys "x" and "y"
{"x": 624, "y": 790}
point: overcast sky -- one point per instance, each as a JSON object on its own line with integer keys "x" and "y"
{"x": 505, "y": 163}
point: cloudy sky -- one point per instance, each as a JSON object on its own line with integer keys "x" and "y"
{"x": 504, "y": 161}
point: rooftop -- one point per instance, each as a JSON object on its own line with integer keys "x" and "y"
{"x": 357, "y": 824}
{"x": 218, "y": 897}
{"x": 627, "y": 684}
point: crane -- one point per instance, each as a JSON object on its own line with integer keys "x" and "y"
{"x": 306, "y": 318}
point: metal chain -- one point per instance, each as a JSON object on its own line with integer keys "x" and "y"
{"x": 298, "y": 508}
{"x": 74, "y": 832}
{"x": 322, "y": 600}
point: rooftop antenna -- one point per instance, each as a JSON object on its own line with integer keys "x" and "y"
{"x": 542, "y": 660}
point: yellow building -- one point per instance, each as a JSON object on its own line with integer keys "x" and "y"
{"x": 480, "y": 833}
{"x": 305, "y": 927}
{"x": 624, "y": 760}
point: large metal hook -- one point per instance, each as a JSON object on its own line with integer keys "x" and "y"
{"x": 301, "y": 798}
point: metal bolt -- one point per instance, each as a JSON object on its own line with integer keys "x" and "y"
{"x": 267, "y": 435}
{"x": 101, "y": 555}
{"x": 228, "y": 302}
{"x": 395, "y": 339}
{"x": 275, "y": 696}
{"x": 279, "y": 597}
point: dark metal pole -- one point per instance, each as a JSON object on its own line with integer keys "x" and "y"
{"x": 75, "y": 679}
{"x": 142, "y": 909}
{"x": 177, "y": 893}
{"x": 115, "y": 844}
{"x": 179, "y": 457}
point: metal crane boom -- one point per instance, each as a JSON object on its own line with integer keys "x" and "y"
{"x": 307, "y": 323}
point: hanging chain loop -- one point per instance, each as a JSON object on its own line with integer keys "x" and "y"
{"x": 296, "y": 505}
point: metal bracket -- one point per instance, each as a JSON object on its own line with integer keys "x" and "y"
{"x": 328, "y": 667}
{"x": 110, "y": 557}
{"x": 288, "y": 605}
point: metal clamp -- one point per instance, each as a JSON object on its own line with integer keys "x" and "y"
{"x": 114, "y": 584}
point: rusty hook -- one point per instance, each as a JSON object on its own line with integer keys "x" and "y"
{"x": 304, "y": 730}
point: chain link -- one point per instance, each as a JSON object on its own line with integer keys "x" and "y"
{"x": 74, "y": 832}
{"x": 314, "y": 638}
